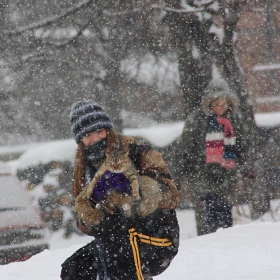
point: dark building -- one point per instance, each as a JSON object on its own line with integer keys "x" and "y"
{"x": 259, "y": 52}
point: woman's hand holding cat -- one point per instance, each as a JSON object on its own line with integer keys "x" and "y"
{"x": 108, "y": 187}
{"x": 110, "y": 181}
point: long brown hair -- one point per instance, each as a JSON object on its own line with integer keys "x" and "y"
{"x": 78, "y": 181}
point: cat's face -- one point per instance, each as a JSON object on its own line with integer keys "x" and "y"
{"x": 117, "y": 161}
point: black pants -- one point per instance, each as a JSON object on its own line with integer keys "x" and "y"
{"x": 216, "y": 213}
{"x": 86, "y": 263}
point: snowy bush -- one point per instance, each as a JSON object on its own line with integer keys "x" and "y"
{"x": 47, "y": 170}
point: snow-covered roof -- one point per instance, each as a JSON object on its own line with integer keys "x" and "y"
{"x": 6, "y": 150}
{"x": 158, "y": 135}
{"x": 63, "y": 150}
{"x": 267, "y": 119}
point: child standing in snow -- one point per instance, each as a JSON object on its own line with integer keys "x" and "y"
{"x": 211, "y": 146}
{"x": 124, "y": 248}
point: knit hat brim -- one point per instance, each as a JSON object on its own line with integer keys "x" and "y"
{"x": 229, "y": 97}
{"x": 218, "y": 89}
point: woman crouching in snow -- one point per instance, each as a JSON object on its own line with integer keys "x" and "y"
{"x": 135, "y": 244}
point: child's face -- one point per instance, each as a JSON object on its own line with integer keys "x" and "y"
{"x": 94, "y": 137}
{"x": 219, "y": 107}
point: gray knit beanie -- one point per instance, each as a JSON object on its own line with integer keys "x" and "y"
{"x": 86, "y": 117}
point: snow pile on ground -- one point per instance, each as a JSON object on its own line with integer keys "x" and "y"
{"x": 243, "y": 252}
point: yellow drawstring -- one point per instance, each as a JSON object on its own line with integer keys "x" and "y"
{"x": 144, "y": 239}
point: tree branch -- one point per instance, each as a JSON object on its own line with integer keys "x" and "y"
{"x": 39, "y": 57}
{"x": 69, "y": 41}
{"x": 48, "y": 21}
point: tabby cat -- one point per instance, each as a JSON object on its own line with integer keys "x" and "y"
{"x": 118, "y": 161}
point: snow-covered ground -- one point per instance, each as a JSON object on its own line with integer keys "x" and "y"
{"x": 243, "y": 252}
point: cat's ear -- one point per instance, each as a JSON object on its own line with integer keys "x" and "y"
{"x": 115, "y": 147}
{"x": 125, "y": 149}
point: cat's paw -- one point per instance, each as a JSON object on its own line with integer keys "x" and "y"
{"x": 127, "y": 210}
{"x": 88, "y": 193}
{"x": 136, "y": 196}
{"x": 105, "y": 208}
{"x": 86, "y": 213}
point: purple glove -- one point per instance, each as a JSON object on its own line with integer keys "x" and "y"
{"x": 110, "y": 181}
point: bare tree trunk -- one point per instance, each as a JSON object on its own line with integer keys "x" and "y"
{"x": 112, "y": 97}
{"x": 237, "y": 81}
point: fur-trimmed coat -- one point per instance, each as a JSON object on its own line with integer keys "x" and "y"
{"x": 116, "y": 232}
{"x": 210, "y": 179}
{"x": 204, "y": 178}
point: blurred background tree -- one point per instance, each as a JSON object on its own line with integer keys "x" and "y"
{"x": 56, "y": 52}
